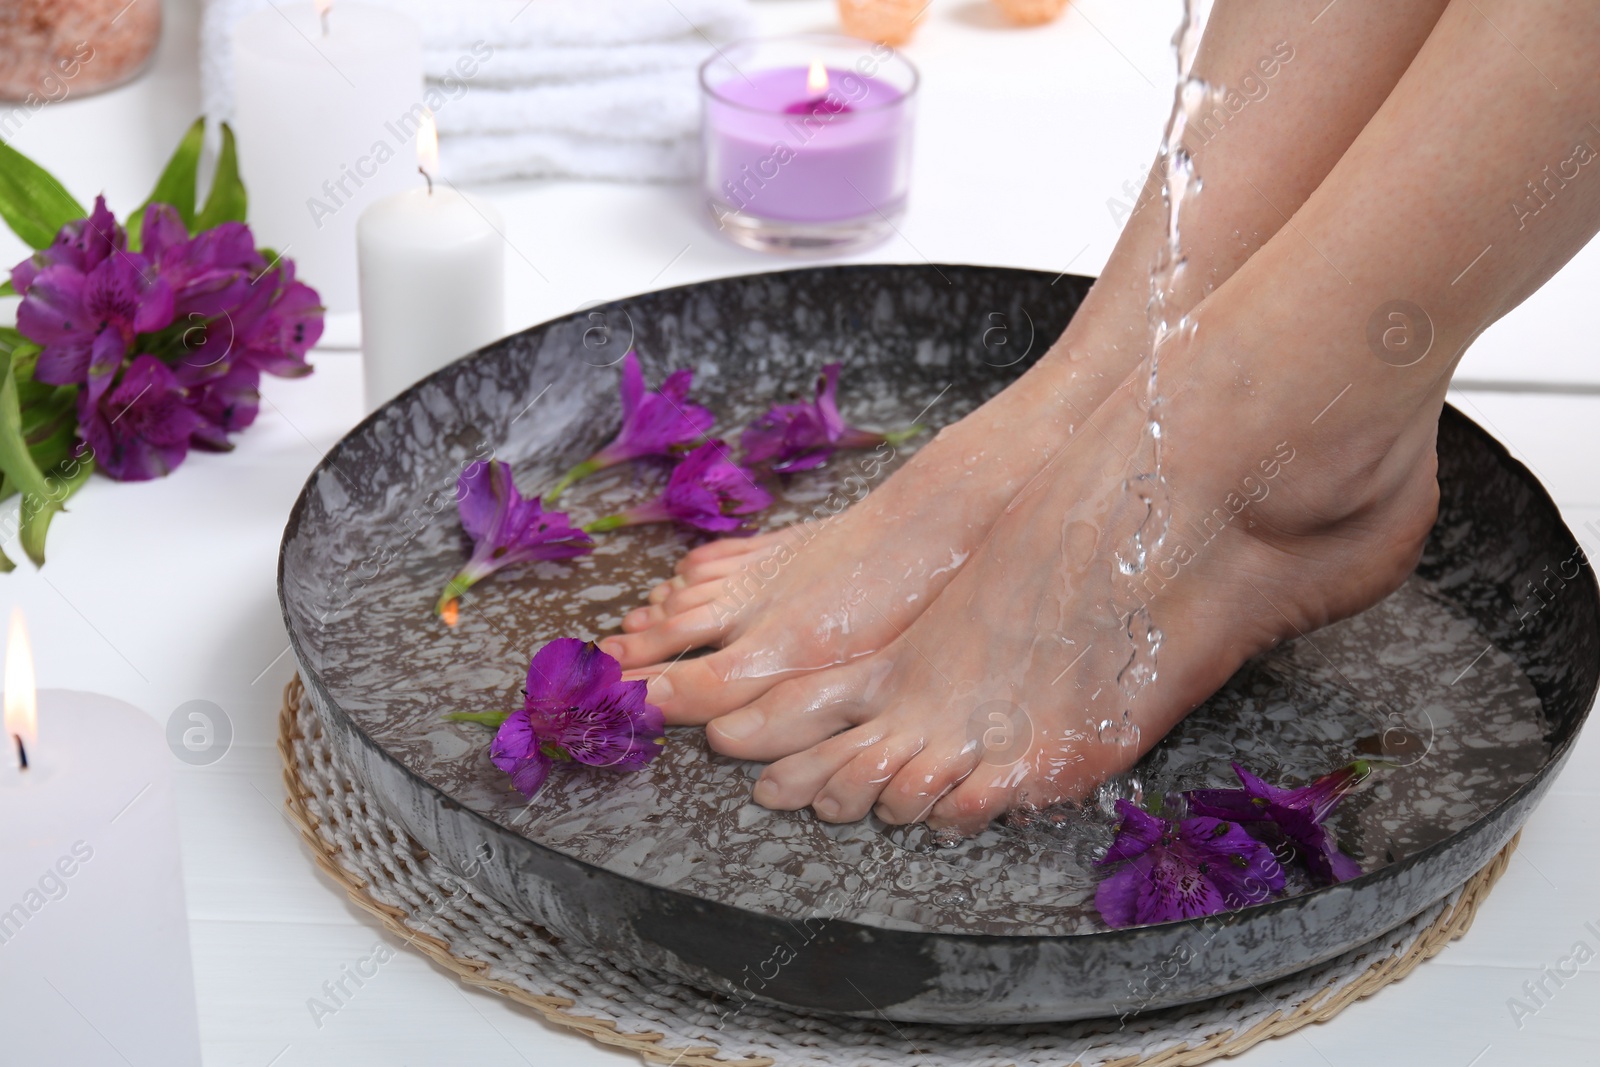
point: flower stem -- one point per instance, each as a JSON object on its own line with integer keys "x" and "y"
{"x": 607, "y": 522}
{"x": 582, "y": 470}
{"x": 899, "y": 437}
{"x": 453, "y": 589}
{"x": 494, "y": 719}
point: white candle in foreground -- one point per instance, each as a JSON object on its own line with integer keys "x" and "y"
{"x": 324, "y": 122}
{"x": 94, "y": 937}
{"x": 432, "y": 265}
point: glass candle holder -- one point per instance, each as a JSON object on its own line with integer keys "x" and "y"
{"x": 806, "y": 141}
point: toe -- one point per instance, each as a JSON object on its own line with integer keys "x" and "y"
{"x": 643, "y": 618}
{"x": 983, "y": 796}
{"x": 725, "y": 547}
{"x": 912, "y": 793}
{"x": 698, "y": 690}
{"x": 714, "y": 570}
{"x": 792, "y": 716}
{"x": 855, "y": 788}
{"x": 794, "y": 782}
{"x": 664, "y": 590}
{"x": 692, "y": 629}
{"x": 679, "y": 601}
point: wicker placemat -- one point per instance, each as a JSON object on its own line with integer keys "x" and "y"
{"x": 438, "y": 913}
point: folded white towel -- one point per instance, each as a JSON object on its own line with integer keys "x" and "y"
{"x": 489, "y": 157}
{"x": 659, "y": 106}
{"x": 581, "y": 88}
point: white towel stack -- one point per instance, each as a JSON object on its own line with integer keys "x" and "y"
{"x": 571, "y": 88}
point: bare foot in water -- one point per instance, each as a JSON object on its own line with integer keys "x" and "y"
{"x": 785, "y": 604}
{"x": 827, "y": 592}
{"x": 1005, "y": 690}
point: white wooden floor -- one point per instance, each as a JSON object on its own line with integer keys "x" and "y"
{"x": 163, "y": 593}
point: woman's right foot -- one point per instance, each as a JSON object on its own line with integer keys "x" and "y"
{"x": 858, "y": 579}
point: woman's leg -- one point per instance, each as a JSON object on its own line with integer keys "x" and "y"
{"x": 1298, "y": 92}
{"x": 1299, "y": 442}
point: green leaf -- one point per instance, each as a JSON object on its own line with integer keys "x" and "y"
{"x": 15, "y": 459}
{"x": 227, "y": 201}
{"x": 32, "y": 202}
{"x": 37, "y": 513}
{"x": 176, "y": 186}
{"x": 6, "y": 566}
{"x": 7, "y": 289}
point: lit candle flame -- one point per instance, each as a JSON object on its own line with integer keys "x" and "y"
{"x": 323, "y": 7}
{"x": 428, "y": 147}
{"x": 817, "y": 79}
{"x": 21, "y": 699}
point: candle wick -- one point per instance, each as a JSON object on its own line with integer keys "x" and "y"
{"x": 324, "y": 17}
{"x": 22, "y": 751}
{"x": 429, "y": 177}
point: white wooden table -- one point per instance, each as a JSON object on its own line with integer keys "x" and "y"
{"x": 163, "y": 593}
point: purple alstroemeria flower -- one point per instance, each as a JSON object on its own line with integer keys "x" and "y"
{"x": 577, "y": 708}
{"x": 86, "y": 322}
{"x": 1294, "y": 815}
{"x": 227, "y": 399}
{"x": 801, "y": 436}
{"x": 653, "y": 424}
{"x": 707, "y": 490}
{"x": 506, "y": 528}
{"x": 1182, "y": 869}
{"x": 272, "y": 330}
{"x": 209, "y": 273}
{"x": 81, "y": 245}
{"x": 141, "y": 428}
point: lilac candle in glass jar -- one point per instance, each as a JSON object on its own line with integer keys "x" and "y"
{"x": 807, "y": 141}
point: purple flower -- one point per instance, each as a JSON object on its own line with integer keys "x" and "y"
{"x": 1295, "y": 815}
{"x": 81, "y": 245}
{"x": 141, "y": 428}
{"x": 653, "y": 424}
{"x": 505, "y": 528}
{"x": 577, "y": 708}
{"x": 227, "y": 400}
{"x": 86, "y": 321}
{"x": 707, "y": 490}
{"x": 1182, "y": 870}
{"x": 209, "y": 273}
{"x": 276, "y": 325}
{"x": 800, "y": 437}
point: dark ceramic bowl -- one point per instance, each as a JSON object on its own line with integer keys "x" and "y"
{"x": 1474, "y": 690}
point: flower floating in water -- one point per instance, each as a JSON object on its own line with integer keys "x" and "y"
{"x": 577, "y": 708}
{"x": 801, "y": 436}
{"x": 707, "y": 490}
{"x": 653, "y": 424}
{"x": 505, "y": 528}
{"x": 1182, "y": 869}
{"x": 1295, "y": 815}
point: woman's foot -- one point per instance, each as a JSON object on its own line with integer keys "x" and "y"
{"x": 828, "y": 592}
{"x": 1006, "y": 690}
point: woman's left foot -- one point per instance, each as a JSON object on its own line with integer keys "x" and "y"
{"x": 1006, "y": 690}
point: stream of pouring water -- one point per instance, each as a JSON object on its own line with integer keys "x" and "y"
{"x": 1167, "y": 325}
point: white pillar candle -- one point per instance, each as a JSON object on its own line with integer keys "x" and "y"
{"x": 94, "y": 937}
{"x": 432, "y": 265}
{"x": 324, "y": 121}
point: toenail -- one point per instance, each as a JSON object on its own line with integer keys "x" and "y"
{"x": 739, "y": 727}
{"x": 613, "y": 647}
{"x": 659, "y": 690}
{"x": 826, "y": 808}
{"x": 767, "y": 792}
